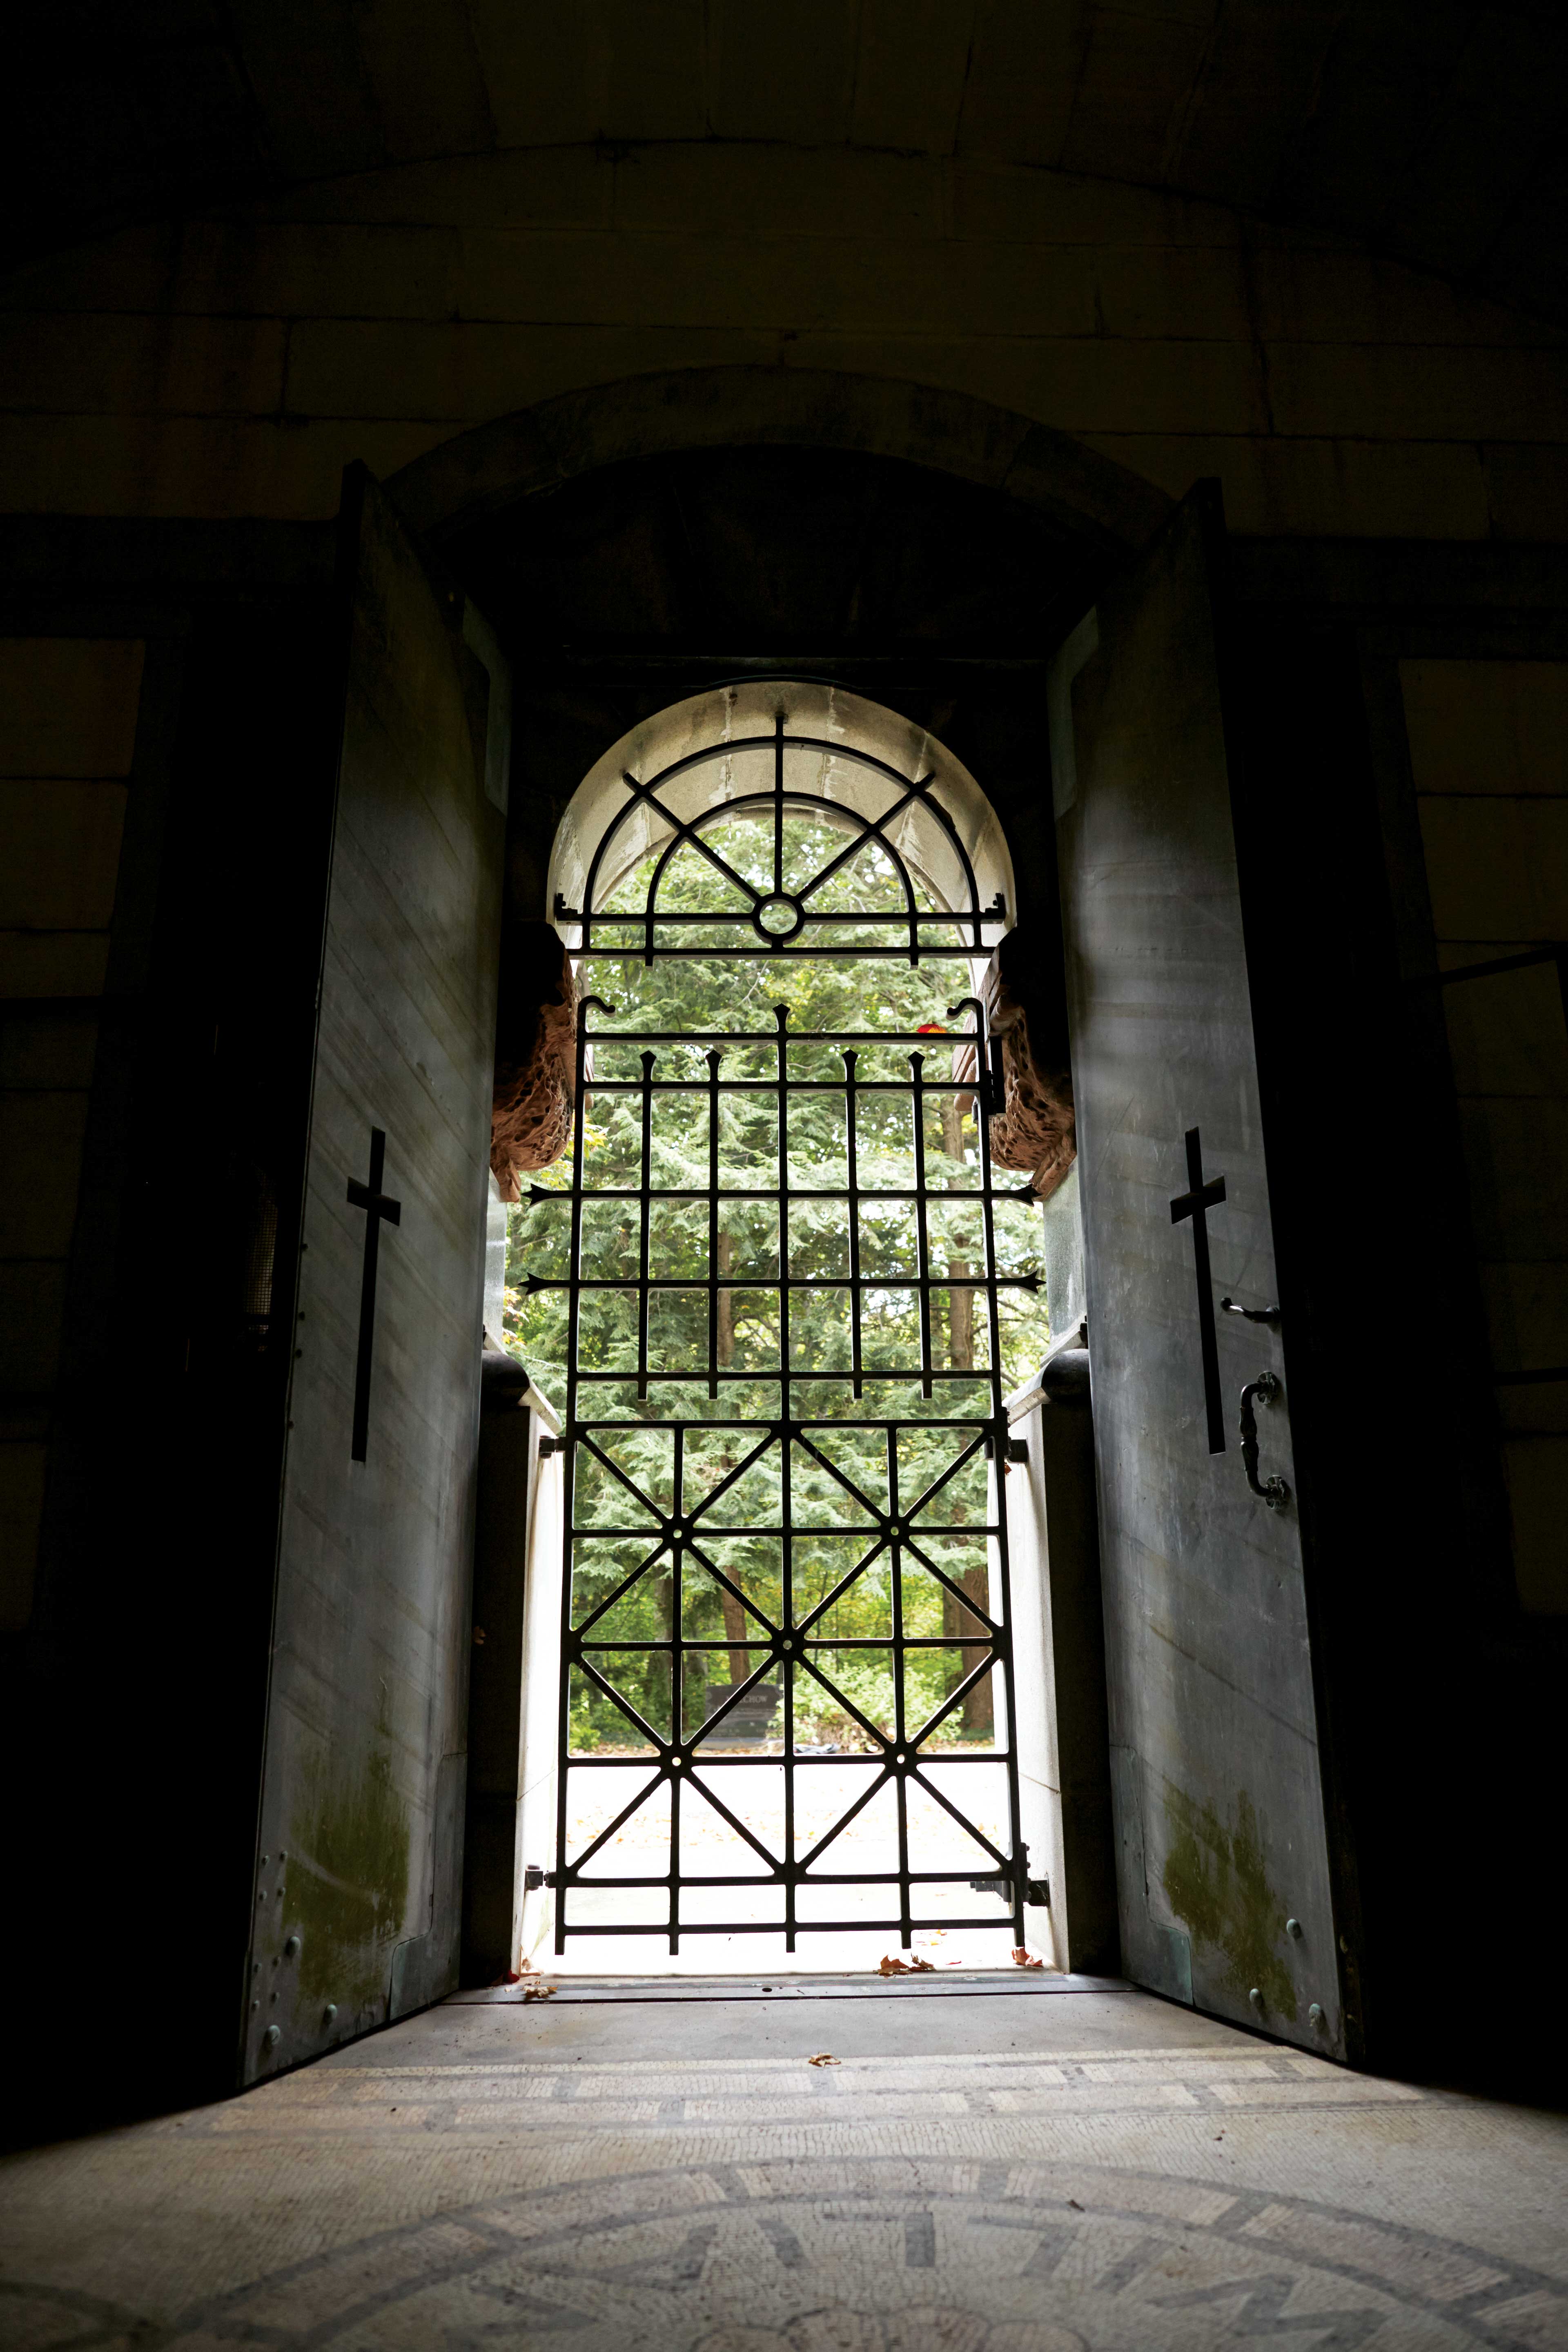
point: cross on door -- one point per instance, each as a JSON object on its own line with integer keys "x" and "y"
{"x": 1195, "y": 1203}
{"x": 376, "y": 1205}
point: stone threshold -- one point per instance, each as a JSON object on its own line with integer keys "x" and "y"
{"x": 572, "y": 1992}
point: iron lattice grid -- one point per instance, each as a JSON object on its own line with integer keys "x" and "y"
{"x": 784, "y": 922}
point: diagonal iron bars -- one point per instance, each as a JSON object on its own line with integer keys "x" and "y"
{"x": 870, "y": 1482}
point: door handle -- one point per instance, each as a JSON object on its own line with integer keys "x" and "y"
{"x": 1273, "y": 1491}
{"x": 1269, "y": 1315}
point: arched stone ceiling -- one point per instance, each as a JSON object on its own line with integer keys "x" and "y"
{"x": 1433, "y": 130}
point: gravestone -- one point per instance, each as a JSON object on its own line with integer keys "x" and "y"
{"x": 750, "y": 1720}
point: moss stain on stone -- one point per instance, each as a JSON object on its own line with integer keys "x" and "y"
{"x": 1216, "y": 1885}
{"x": 348, "y": 1882}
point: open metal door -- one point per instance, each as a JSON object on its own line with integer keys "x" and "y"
{"x": 1222, "y": 1855}
{"x": 358, "y": 1884}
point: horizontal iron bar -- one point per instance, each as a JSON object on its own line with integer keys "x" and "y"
{"x": 771, "y": 1085}
{"x": 930, "y": 1040}
{"x": 663, "y": 1527}
{"x": 593, "y": 1762}
{"x": 740, "y": 918}
{"x": 585, "y": 1428}
{"x": 930, "y": 1197}
{"x": 799, "y": 1873}
{"x": 944, "y": 1532}
{"x": 809, "y": 1642}
{"x": 797, "y": 1422}
{"x": 763, "y": 1926}
{"x": 690, "y": 1380}
{"x": 634, "y": 1283}
{"x": 692, "y": 1745}
{"x": 773, "y": 954}
{"x": 959, "y": 1195}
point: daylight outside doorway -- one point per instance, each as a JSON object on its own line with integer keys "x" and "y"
{"x": 779, "y": 1297}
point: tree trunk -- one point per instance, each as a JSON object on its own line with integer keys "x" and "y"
{"x": 960, "y": 1319}
{"x": 735, "y": 1632}
{"x": 977, "y": 1713}
{"x": 724, "y": 1349}
{"x": 960, "y": 1303}
{"x": 724, "y": 1324}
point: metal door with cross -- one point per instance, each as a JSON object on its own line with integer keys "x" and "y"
{"x": 786, "y": 1705}
{"x": 356, "y": 1907}
{"x": 1223, "y": 1860}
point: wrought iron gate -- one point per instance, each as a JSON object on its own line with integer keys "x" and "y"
{"x": 832, "y": 1463}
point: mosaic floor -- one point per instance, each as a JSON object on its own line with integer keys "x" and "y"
{"x": 1024, "y": 2171}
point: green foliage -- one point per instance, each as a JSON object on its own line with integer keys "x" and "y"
{"x": 724, "y": 1001}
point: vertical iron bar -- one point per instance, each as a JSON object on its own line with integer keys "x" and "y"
{"x": 787, "y": 1616}
{"x": 674, "y": 1924}
{"x": 851, "y": 1059}
{"x": 997, "y": 1501}
{"x": 781, "y": 1022}
{"x": 647, "y": 1062}
{"x": 900, "y": 1780}
{"x": 677, "y": 1662}
{"x": 569, "y": 1481}
{"x": 778, "y": 805}
{"x": 781, "y": 1017}
{"x": 923, "y": 1263}
{"x": 714, "y": 1058}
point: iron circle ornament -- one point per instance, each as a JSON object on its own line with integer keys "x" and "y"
{"x": 778, "y": 917}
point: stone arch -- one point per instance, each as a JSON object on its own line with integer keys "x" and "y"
{"x": 855, "y": 760}
{"x": 1108, "y": 507}
{"x": 709, "y": 750}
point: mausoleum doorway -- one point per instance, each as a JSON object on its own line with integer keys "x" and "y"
{"x": 780, "y": 1291}
{"x": 1126, "y": 807}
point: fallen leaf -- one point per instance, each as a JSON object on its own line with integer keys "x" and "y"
{"x": 539, "y": 1993}
{"x": 823, "y": 2058}
{"x": 1076, "y": 2206}
{"x": 890, "y": 1965}
{"x": 1023, "y": 1958}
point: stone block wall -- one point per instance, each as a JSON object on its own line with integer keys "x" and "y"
{"x": 230, "y": 366}
{"x": 68, "y": 732}
{"x": 1488, "y": 749}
